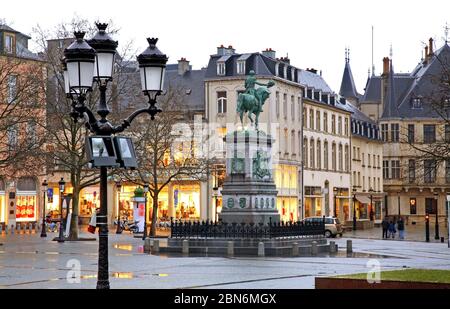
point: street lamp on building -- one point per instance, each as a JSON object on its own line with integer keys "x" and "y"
{"x": 335, "y": 191}
{"x": 436, "y": 225}
{"x": 146, "y": 188}
{"x": 44, "y": 229}
{"x": 371, "y": 191}
{"x": 354, "y": 207}
{"x": 119, "y": 188}
{"x": 93, "y": 61}
{"x": 62, "y": 186}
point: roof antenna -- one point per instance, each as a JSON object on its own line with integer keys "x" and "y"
{"x": 373, "y": 65}
{"x": 446, "y": 33}
{"x": 390, "y": 52}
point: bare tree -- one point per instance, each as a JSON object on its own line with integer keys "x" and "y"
{"x": 167, "y": 149}
{"x": 66, "y": 149}
{"x": 22, "y": 109}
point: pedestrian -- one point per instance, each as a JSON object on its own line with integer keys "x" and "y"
{"x": 392, "y": 229}
{"x": 401, "y": 228}
{"x": 385, "y": 227}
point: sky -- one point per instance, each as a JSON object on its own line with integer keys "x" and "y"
{"x": 313, "y": 33}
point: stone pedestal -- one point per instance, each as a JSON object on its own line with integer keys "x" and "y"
{"x": 249, "y": 192}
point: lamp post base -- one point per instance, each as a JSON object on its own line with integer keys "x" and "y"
{"x": 103, "y": 285}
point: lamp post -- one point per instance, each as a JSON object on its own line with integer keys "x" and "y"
{"x": 44, "y": 230}
{"x": 145, "y": 211}
{"x": 335, "y": 191}
{"x": 215, "y": 192}
{"x": 371, "y": 204}
{"x": 119, "y": 188}
{"x": 436, "y": 225}
{"x": 62, "y": 185}
{"x": 398, "y": 202}
{"x": 354, "y": 208}
{"x": 427, "y": 228}
{"x": 94, "y": 61}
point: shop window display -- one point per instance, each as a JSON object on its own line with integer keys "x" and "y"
{"x": 89, "y": 201}
{"x": 2, "y": 208}
{"x": 26, "y": 208}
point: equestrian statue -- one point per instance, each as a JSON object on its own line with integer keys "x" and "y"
{"x": 253, "y": 99}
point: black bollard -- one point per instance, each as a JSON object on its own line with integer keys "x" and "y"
{"x": 427, "y": 228}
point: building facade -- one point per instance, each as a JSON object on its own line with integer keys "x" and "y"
{"x": 416, "y": 185}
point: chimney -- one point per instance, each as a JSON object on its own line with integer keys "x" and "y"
{"x": 430, "y": 50}
{"x": 230, "y": 50}
{"x": 385, "y": 66}
{"x": 269, "y": 53}
{"x": 183, "y": 66}
{"x": 221, "y": 50}
{"x": 312, "y": 70}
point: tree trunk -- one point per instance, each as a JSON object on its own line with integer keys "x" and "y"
{"x": 154, "y": 215}
{"x": 73, "y": 233}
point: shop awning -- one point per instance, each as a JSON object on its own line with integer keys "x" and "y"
{"x": 363, "y": 199}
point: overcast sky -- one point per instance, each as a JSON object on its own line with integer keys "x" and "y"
{"x": 313, "y": 33}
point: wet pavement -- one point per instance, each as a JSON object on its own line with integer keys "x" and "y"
{"x": 28, "y": 261}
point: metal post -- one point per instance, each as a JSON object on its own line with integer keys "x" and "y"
{"x": 427, "y": 228}
{"x": 119, "y": 228}
{"x": 436, "y": 226}
{"x": 44, "y": 230}
{"x": 371, "y": 208}
{"x": 399, "y": 205}
{"x": 354, "y": 212}
{"x": 102, "y": 223}
{"x": 145, "y": 216}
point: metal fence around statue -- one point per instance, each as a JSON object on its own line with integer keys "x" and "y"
{"x": 210, "y": 229}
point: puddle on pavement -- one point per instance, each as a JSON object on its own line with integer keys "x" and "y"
{"x": 121, "y": 275}
{"x": 161, "y": 275}
{"x": 126, "y": 247}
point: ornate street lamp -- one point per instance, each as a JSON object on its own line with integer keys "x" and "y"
{"x": 119, "y": 188}
{"x": 85, "y": 64}
{"x": 436, "y": 225}
{"x": 146, "y": 187}
{"x": 354, "y": 207}
{"x": 62, "y": 186}
{"x": 44, "y": 229}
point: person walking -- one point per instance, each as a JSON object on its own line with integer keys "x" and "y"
{"x": 385, "y": 227}
{"x": 392, "y": 230}
{"x": 401, "y": 228}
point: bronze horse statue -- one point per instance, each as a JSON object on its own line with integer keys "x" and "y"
{"x": 252, "y": 104}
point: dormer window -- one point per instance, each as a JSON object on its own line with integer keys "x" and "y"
{"x": 417, "y": 102}
{"x": 285, "y": 72}
{"x": 241, "y": 67}
{"x": 221, "y": 68}
{"x": 9, "y": 44}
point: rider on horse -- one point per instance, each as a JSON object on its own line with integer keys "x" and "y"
{"x": 250, "y": 83}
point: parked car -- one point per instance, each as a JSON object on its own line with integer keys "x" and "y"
{"x": 333, "y": 226}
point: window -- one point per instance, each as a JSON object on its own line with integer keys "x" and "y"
{"x": 385, "y": 169}
{"x": 241, "y": 67}
{"x": 429, "y": 167}
{"x": 12, "y": 88}
{"x": 277, "y": 104}
{"x": 395, "y": 134}
{"x": 299, "y": 108}
{"x": 340, "y": 157}
{"x": 447, "y": 133}
{"x": 333, "y": 124}
{"x": 416, "y": 103}
{"x": 312, "y": 154}
{"x": 333, "y": 156}
{"x": 395, "y": 165}
{"x": 292, "y": 108}
{"x": 325, "y": 155}
{"x": 410, "y": 133}
{"x": 368, "y": 160}
{"x": 318, "y": 120}
{"x": 311, "y": 119}
{"x": 384, "y": 132}
{"x": 305, "y": 152}
{"x": 430, "y": 206}
{"x": 293, "y": 142}
{"x": 9, "y": 44}
{"x": 412, "y": 206}
{"x": 304, "y": 117}
{"x": 325, "y": 122}
{"x": 319, "y": 155}
{"x": 447, "y": 171}
{"x": 285, "y": 110}
{"x": 221, "y": 68}
{"x": 412, "y": 171}
{"x": 222, "y": 102}
{"x": 12, "y": 137}
{"x": 347, "y": 159}
{"x": 429, "y": 133}
{"x": 31, "y": 132}
{"x": 363, "y": 160}
{"x": 346, "y": 130}
{"x": 339, "y": 130}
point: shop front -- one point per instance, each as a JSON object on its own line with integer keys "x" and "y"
{"x": 186, "y": 201}
{"x": 26, "y": 200}
{"x": 342, "y": 201}
{"x": 2, "y": 202}
{"x": 89, "y": 201}
{"x": 313, "y": 201}
{"x": 287, "y": 208}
